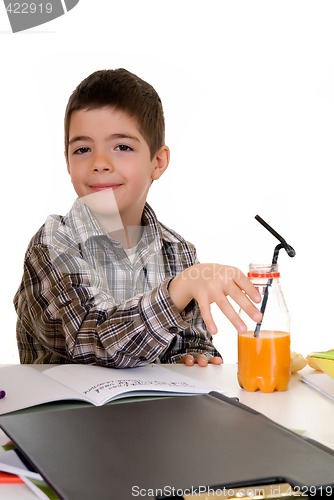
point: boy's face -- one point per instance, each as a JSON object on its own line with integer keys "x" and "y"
{"x": 107, "y": 151}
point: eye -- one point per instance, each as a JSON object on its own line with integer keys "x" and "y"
{"x": 81, "y": 151}
{"x": 123, "y": 147}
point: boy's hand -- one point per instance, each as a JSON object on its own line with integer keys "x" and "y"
{"x": 201, "y": 359}
{"x": 209, "y": 283}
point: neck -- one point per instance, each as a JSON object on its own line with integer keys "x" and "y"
{"x": 129, "y": 236}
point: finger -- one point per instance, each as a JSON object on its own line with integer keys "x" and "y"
{"x": 243, "y": 301}
{"x": 245, "y": 284}
{"x": 228, "y": 310}
{"x": 215, "y": 360}
{"x": 202, "y": 359}
{"x": 188, "y": 360}
{"x": 204, "y": 307}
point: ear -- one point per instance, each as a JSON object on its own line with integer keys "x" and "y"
{"x": 160, "y": 162}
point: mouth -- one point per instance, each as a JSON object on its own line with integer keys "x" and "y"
{"x": 103, "y": 187}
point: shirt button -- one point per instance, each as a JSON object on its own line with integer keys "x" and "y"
{"x": 173, "y": 329}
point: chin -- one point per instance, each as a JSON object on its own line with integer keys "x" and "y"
{"x": 102, "y": 202}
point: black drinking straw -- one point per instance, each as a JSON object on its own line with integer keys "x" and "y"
{"x": 289, "y": 250}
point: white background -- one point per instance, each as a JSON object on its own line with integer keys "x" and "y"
{"x": 248, "y": 93}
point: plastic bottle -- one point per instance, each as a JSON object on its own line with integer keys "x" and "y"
{"x": 264, "y": 350}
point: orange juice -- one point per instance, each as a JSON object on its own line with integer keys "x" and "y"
{"x": 264, "y": 361}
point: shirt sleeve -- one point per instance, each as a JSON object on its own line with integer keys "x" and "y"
{"x": 195, "y": 339}
{"x": 65, "y": 312}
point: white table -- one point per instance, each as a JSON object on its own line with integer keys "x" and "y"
{"x": 300, "y": 408}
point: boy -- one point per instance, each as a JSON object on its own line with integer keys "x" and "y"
{"x": 108, "y": 284}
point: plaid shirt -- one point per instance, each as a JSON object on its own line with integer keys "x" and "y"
{"x": 82, "y": 300}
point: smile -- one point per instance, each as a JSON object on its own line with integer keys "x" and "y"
{"x": 103, "y": 187}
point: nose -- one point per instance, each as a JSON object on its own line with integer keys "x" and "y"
{"x": 102, "y": 163}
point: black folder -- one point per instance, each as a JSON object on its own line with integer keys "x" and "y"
{"x": 163, "y": 448}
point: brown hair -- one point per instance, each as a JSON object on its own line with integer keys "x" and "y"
{"x": 124, "y": 91}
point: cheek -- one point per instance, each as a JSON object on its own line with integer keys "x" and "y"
{"x": 75, "y": 173}
{"x": 78, "y": 182}
{"x": 140, "y": 185}
{"x": 140, "y": 179}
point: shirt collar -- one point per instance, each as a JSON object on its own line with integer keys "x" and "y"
{"x": 80, "y": 225}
